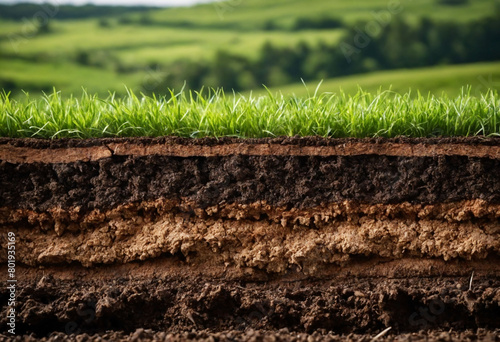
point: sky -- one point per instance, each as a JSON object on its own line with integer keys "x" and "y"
{"x": 160, "y": 3}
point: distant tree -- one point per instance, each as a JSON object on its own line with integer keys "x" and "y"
{"x": 8, "y": 86}
{"x": 83, "y": 58}
{"x": 269, "y": 25}
{"x": 227, "y": 68}
{"x": 316, "y": 65}
{"x": 452, "y": 2}
{"x": 246, "y": 80}
{"x": 145, "y": 20}
{"x": 125, "y": 20}
{"x": 43, "y": 25}
{"x": 268, "y": 56}
{"x": 277, "y": 76}
{"x": 319, "y": 23}
{"x": 104, "y": 23}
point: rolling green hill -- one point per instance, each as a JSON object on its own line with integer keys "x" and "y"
{"x": 136, "y": 44}
{"x": 434, "y": 80}
{"x": 253, "y": 14}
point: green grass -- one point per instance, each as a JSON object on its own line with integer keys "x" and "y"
{"x": 384, "y": 114}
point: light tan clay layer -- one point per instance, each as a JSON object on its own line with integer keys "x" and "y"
{"x": 256, "y": 236}
{"x": 18, "y": 155}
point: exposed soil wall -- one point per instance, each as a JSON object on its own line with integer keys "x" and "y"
{"x": 331, "y": 235}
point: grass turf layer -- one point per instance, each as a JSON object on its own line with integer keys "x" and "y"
{"x": 213, "y": 113}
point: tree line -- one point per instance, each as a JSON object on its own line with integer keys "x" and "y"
{"x": 364, "y": 48}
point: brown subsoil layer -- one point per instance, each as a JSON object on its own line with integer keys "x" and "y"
{"x": 260, "y": 236}
{"x": 229, "y": 236}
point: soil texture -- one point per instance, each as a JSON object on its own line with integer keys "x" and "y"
{"x": 261, "y": 239}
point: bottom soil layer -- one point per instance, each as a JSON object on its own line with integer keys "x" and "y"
{"x": 419, "y": 295}
{"x": 281, "y": 335}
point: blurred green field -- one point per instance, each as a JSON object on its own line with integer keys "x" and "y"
{"x": 253, "y": 14}
{"x": 68, "y": 77}
{"x": 106, "y": 56}
{"x": 434, "y": 80}
{"x": 141, "y": 45}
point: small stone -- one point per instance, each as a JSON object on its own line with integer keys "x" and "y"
{"x": 137, "y": 334}
{"x": 444, "y": 336}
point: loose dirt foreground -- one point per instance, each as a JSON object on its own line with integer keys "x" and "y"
{"x": 258, "y": 239}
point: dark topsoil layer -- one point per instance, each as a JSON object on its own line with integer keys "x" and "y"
{"x": 178, "y": 305}
{"x": 292, "y": 181}
{"x": 296, "y": 140}
{"x": 299, "y": 141}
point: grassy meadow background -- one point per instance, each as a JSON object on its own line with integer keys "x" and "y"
{"x": 242, "y": 45}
